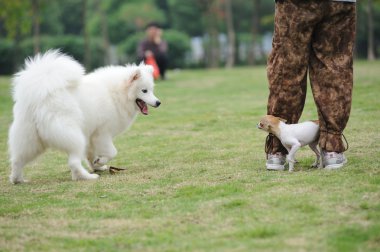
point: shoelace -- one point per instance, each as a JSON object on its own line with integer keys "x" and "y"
{"x": 339, "y": 134}
{"x": 268, "y": 144}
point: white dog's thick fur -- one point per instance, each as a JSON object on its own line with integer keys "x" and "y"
{"x": 58, "y": 106}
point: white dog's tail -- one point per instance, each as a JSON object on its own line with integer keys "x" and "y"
{"x": 46, "y": 74}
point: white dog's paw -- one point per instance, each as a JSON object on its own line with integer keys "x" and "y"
{"x": 101, "y": 168}
{"x": 92, "y": 176}
{"x": 100, "y": 161}
{"x": 85, "y": 176}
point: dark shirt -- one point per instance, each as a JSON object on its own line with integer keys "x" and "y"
{"x": 158, "y": 50}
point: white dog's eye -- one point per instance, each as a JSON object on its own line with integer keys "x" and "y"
{"x": 144, "y": 91}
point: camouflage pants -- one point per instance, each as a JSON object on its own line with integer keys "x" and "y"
{"x": 315, "y": 36}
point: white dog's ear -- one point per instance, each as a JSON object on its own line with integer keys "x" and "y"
{"x": 134, "y": 76}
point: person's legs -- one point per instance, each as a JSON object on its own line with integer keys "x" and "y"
{"x": 288, "y": 62}
{"x": 162, "y": 63}
{"x": 331, "y": 72}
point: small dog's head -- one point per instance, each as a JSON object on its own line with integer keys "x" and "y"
{"x": 269, "y": 123}
{"x": 141, "y": 87}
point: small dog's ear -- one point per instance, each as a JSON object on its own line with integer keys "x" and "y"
{"x": 134, "y": 76}
{"x": 282, "y": 119}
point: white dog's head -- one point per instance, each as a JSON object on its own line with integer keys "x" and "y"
{"x": 140, "y": 88}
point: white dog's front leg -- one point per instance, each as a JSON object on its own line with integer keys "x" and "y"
{"x": 291, "y": 156}
{"x": 77, "y": 170}
{"x": 103, "y": 150}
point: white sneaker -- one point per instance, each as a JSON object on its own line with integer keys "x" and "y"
{"x": 333, "y": 160}
{"x": 276, "y": 162}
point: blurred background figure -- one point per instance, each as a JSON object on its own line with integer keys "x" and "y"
{"x": 153, "y": 50}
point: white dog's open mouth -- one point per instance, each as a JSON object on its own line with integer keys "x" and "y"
{"x": 142, "y": 106}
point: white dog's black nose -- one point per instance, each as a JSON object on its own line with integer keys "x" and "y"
{"x": 158, "y": 103}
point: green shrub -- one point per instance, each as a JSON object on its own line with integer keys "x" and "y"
{"x": 128, "y": 48}
{"x": 72, "y": 45}
{"x": 6, "y": 57}
{"x": 179, "y": 45}
{"x": 69, "y": 44}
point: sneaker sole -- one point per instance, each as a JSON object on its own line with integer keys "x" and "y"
{"x": 335, "y": 166}
{"x": 275, "y": 167}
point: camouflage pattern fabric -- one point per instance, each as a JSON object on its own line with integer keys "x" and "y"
{"x": 315, "y": 36}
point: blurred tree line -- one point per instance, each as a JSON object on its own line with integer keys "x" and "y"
{"x": 100, "y": 32}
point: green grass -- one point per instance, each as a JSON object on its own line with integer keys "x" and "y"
{"x": 196, "y": 179}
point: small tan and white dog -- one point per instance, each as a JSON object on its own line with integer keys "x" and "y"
{"x": 293, "y": 136}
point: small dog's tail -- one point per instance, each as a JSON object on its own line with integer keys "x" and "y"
{"x": 45, "y": 74}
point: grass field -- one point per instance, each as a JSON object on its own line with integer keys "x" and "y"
{"x": 196, "y": 179}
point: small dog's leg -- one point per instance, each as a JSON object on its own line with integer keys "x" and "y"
{"x": 314, "y": 147}
{"x": 291, "y": 156}
{"x": 291, "y": 166}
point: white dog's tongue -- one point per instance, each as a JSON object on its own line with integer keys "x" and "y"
{"x": 144, "y": 109}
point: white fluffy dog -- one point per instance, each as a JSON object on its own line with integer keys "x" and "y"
{"x": 58, "y": 106}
